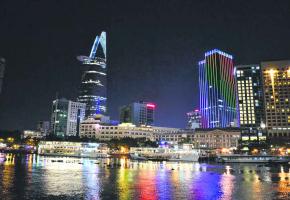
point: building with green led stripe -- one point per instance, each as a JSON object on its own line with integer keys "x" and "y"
{"x": 217, "y": 86}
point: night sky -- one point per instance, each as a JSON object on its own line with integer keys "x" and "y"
{"x": 153, "y": 50}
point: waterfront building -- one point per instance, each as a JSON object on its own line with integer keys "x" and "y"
{"x": 93, "y": 88}
{"x": 176, "y": 137}
{"x": 251, "y": 105}
{"x": 193, "y": 119}
{"x": 276, "y": 82}
{"x": 66, "y": 117}
{"x": 2, "y": 69}
{"x": 217, "y": 138}
{"x": 217, "y": 86}
{"x": 32, "y": 134}
{"x": 43, "y": 127}
{"x": 93, "y": 128}
{"x": 138, "y": 113}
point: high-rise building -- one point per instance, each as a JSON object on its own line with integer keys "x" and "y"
{"x": 193, "y": 119}
{"x": 251, "y": 105}
{"x": 93, "y": 88}
{"x": 218, "y": 103}
{"x": 2, "y": 69}
{"x": 250, "y": 95}
{"x": 66, "y": 117}
{"x": 276, "y": 81}
{"x": 138, "y": 113}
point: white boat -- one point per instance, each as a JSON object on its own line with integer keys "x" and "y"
{"x": 73, "y": 149}
{"x": 149, "y": 153}
{"x": 237, "y": 158}
{"x": 184, "y": 155}
{"x": 170, "y": 154}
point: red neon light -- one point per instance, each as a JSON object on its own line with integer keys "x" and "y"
{"x": 150, "y": 105}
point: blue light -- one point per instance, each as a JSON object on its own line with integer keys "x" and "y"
{"x": 208, "y": 53}
{"x": 98, "y": 40}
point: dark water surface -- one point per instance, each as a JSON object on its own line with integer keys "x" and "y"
{"x": 40, "y": 177}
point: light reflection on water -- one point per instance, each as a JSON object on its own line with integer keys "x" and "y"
{"x": 40, "y": 177}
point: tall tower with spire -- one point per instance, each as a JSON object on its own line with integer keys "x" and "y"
{"x": 93, "y": 88}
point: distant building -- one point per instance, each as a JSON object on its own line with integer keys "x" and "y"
{"x": 217, "y": 138}
{"x": 251, "y": 104}
{"x": 2, "y": 69}
{"x": 138, "y": 113}
{"x": 66, "y": 117}
{"x": 276, "y": 77}
{"x": 93, "y": 88}
{"x": 193, "y": 119}
{"x": 218, "y": 102}
{"x": 43, "y": 127}
{"x": 32, "y": 134}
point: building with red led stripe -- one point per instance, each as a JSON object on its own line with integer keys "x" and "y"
{"x": 138, "y": 113}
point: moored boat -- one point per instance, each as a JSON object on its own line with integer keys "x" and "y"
{"x": 237, "y": 158}
{"x": 164, "y": 154}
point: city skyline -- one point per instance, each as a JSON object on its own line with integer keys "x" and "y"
{"x": 147, "y": 61}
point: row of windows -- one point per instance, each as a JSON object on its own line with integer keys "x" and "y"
{"x": 214, "y": 136}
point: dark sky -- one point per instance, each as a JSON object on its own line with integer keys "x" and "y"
{"x": 153, "y": 50}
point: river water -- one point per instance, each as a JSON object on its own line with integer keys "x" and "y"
{"x": 41, "y": 177}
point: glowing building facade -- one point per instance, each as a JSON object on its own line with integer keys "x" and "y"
{"x": 217, "y": 86}
{"x": 276, "y": 77}
{"x": 250, "y": 95}
{"x": 251, "y": 106}
{"x": 138, "y": 113}
{"x": 93, "y": 89}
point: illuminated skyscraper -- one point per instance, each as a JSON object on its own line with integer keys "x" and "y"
{"x": 251, "y": 105}
{"x": 217, "y": 86}
{"x": 2, "y": 68}
{"x": 276, "y": 77}
{"x": 93, "y": 89}
{"x": 138, "y": 113}
{"x": 250, "y": 95}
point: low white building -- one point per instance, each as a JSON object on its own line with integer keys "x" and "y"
{"x": 92, "y": 128}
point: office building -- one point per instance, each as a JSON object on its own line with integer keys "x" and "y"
{"x": 251, "y": 105}
{"x": 2, "y": 69}
{"x": 217, "y": 86}
{"x": 138, "y": 113}
{"x": 93, "y": 88}
{"x": 193, "y": 119}
{"x": 66, "y": 117}
{"x": 276, "y": 81}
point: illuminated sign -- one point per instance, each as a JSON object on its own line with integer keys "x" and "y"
{"x": 150, "y": 105}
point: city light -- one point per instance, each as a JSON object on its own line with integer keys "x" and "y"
{"x": 150, "y": 105}
{"x": 10, "y": 139}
